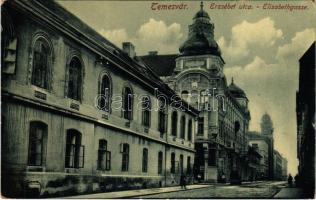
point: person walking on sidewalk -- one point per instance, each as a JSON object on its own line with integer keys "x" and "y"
{"x": 183, "y": 181}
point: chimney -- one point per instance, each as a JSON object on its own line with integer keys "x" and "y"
{"x": 129, "y": 48}
{"x": 152, "y": 53}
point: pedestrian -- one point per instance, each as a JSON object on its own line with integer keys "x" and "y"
{"x": 199, "y": 178}
{"x": 223, "y": 178}
{"x": 290, "y": 180}
{"x": 182, "y": 181}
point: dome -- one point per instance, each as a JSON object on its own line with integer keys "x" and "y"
{"x": 201, "y": 36}
{"x": 236, "y": 91}
{"x": 201, "y": 14}
{"x": 199, "y": 44}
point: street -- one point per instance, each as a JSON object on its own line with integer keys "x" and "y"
{"x": 251, "y": 190}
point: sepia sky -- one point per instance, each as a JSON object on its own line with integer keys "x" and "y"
{"x": 261, "y": 48}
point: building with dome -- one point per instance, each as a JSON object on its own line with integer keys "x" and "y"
{"x": 196, "y": 74}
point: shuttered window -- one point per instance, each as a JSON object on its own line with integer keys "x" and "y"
{"x": 74, "y": 150}
{"x": 104, "y": 156}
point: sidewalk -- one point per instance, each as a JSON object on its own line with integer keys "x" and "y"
{"x": 289, "y": 193}
{"x": 134, "y": 193}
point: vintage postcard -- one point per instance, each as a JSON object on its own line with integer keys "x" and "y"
{"x": 158, "y": 99}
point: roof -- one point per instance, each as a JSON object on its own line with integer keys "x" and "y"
{"x": 236, "y": 91}
{"x": 201, "y": 13}
{"x": 162, "y": 65}
{"x": 309, "y": 53}
{"x": 200, "y": 40}
{"x": 87, "y": 31}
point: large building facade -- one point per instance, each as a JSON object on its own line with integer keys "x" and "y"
{"x": 253, "y": 164}
{"x": 260, "y": 143}
{"x": 277, "y": 165}
{"x": 196, "y": 74}
{"x": 79, "y": 114}
{"x": 267, "y": 132}
{"x": 305, "y": 112}
{"x": 284, "y": 169}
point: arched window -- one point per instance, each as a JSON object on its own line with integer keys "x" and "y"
{"x": 181, "y": 164}
{"x": 127, "y": 103}
{"x": 182, "y": 127}
{"x": 38, "y": 131}
{"x": 146, "y": 108}
{"x": 105, "y": 93}
{"x": 194, "y": 97}
{"x": 173, "y": 163}
{"x": 145, "y": 160}
{"x": 125, "y": 156}
{"x": 189, "y": 168}
{"x": 184, "y": 95}
{"x": 200, "y": 126}
{"x": 41, "y": 62}
{"x": 236, "y": 127}
{"x": 190, "y": 130}
{"x": 174, "y": 124}
{"x": 74, "y": 150}
{"x": 75, "y": 79}
{"x": 104, "y": 156}
{"x": 221, "y": 130}
{"x": 162, "y": 119}
{"x": 204, "y": 96}
{"x": 160, "y": 162}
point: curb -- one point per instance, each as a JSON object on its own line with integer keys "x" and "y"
{"x": 162, "y": 192}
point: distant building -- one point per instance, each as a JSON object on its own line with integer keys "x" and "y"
{"x": 277, "y": 165}
{"x": 259, "y": 142}
{"x": 197, "y": 75}
{"x": 284, "y": 168}
{"x": 305, "y": 112}
{"x": 267, "y": 132}
{"x": 252, "y": 171}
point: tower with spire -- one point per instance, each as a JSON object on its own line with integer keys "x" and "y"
{"x": 201, "y": 36}
{"x": 197, "y": 75}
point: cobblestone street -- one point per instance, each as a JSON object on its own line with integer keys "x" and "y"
{"x": 257, "y": 190}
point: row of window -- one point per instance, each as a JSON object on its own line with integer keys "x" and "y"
{"x": 179, "y": 164}
{"x": 41, "y": 69}
{"x": 42, "y": 56}
{"x": 174, "y": 126}
{"x": 75, "y": 151}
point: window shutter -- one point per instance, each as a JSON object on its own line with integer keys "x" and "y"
{"x": 81, "y": 157}
{"x": 9, "y": 59}
{"x": 108, "y": 160}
